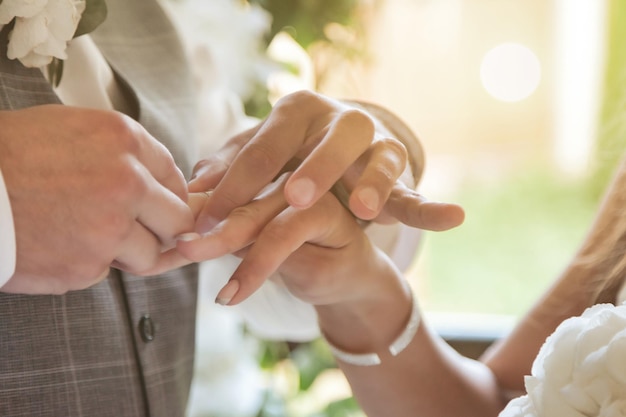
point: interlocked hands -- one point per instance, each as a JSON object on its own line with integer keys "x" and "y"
{"x": 91, "y": 190}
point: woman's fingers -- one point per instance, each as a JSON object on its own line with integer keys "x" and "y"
{"x": 239, "y": 228}
{"x": 350, "y": 134}
{"x": 326, "y": 225}
{"x": 415, "y": 210}
{"x": 207, "y": 173}
{"x": 324, "y": 137}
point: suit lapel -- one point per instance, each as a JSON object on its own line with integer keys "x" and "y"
{"x": 144, "y": 50}
{"x": 21, "y": 87}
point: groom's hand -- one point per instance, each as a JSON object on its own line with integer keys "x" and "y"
{"x": 88, "y": 190}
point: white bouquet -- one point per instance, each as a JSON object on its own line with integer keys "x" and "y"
{"x": 580, "y": 370}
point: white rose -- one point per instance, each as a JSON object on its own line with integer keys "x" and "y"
{"x": 519, "y": 407}
{"x": 42, "y": 28}
{"x": 580, "y": 370}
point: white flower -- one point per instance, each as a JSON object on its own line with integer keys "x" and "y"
{"x": 519, "y": 407}
{"x": 580, "y": 370}
{"x": 42, "y": 28}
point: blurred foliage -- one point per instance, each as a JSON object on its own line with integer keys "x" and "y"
{"x": 332, "y": 27}
{"x": 300, "y": 364}
{"x": 306, "y": 20}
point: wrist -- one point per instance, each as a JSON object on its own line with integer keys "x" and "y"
{"x": 367, "y": 330}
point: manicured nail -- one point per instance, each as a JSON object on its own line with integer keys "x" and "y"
{"x": 302, "y": 191}
{"x": 188, "y": 237}
{"x": 228, "y": 292}
{"x": 369, "y": 197}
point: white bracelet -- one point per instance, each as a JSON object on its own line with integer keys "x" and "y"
{"x": 398, "y": 345}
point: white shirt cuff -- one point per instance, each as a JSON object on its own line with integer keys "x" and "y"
{"x": 7, "y": 236}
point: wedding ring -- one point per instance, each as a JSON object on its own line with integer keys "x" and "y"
{"x": 340, "y": 191}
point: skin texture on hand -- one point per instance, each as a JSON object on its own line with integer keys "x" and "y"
{"x": 319, "y": 243}
{"x": 322, "y": 141}
{"x": 89, "y": 190}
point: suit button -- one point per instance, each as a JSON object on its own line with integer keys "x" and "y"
{"x": 146, "y": 328}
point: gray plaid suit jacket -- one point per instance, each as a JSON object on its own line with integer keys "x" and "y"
{"x": 124, "y": 347}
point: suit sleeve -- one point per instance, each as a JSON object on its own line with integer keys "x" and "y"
{"x": 7, "y": 236}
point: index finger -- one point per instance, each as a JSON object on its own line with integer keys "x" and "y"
{"x": 158, "y": 160}
{"x": 256, "y": 165}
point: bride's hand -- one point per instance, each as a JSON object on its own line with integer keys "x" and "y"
{"x": 315, "y": 248}
{"x": 324, "y": 142}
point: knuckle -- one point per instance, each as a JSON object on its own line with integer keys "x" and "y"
{"x": 298, "y": 97}
{"x": 130, "y": 183}
{"x": 383, "y": 173}
{"x": 394, "y": 155}
{"x": 395, "y": 146}
{"x": 302, "y": 102}
{"x": 279, "y": 233}
{"x": 359, "y": 118}
{"x": 225, "y": 200}
{"x": 247, "y": 214}
{"x": 123, "y": 131}
{"x": 261, "y": 158}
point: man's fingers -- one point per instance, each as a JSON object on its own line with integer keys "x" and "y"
{"x": 164, "y": 213}
{"x": 139, "y": 251}
{"x": 257, "y": 163}
{"x": 413, "y": 209}
{"x": 158, "y": 161}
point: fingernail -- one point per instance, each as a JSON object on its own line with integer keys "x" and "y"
{"x": 369, "y": 197}
{"x": 302, "y": 191}
{"x": 203, "y": 169}
{"x": 188, "y": 237}
{"x": 227, "y": 293}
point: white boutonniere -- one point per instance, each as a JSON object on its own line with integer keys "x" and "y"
{"x": 43, "y": 28}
